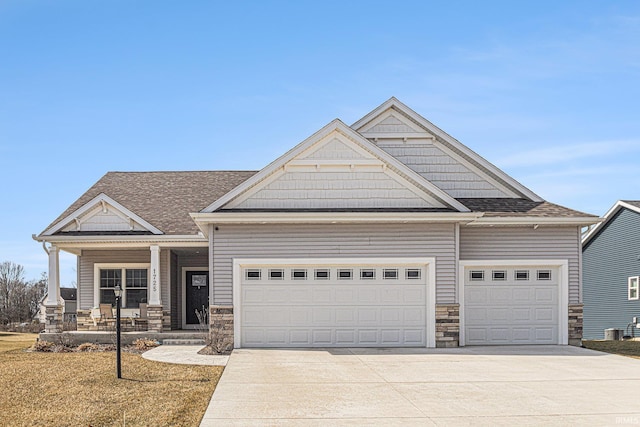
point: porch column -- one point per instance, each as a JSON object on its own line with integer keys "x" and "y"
{"x": 53, "y": 289}
{"x": 53, "y": 309}
{"x": 154, "y": 309}
{"x": 154, "y": 292}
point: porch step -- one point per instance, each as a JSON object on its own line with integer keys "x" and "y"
{"x": 193, "y": 341}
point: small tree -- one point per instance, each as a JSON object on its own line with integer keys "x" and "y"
{"x": 11, "y": 285}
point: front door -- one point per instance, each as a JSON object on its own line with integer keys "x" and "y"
{"x": 196, "y": 296}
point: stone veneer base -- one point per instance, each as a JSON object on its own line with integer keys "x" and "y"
{"x": 221, "y": 328}
{"x": 447, "y": 325}
{"x": 575, "y": 324}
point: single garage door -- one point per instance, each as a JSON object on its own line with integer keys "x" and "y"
{"x": 333, "y": 305}
{"x": 511, "y": 305}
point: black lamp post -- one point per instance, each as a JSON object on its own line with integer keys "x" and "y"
{"x": 118, "y": 291}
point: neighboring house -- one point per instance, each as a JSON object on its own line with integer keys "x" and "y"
{"x": 388, "y": 232}
{"x": 68, "y": 303}
{"x": 611, "y": 270}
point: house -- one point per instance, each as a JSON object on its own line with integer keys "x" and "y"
{"x": 68, "y": 303}
{"x": 611, "y": 270}
{"x": 388, "y": 232}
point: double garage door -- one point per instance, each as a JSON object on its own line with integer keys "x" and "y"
{"x": 511, "y": 305}
{"x": 329, "y": 305}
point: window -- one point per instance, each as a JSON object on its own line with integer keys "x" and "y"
{"x": 322, "y": 274}
{"x": 276, "y": 274}
{"x": 299, "y": 274}
{"x": 345, "y": 274}
{"x": 522, "y": 274}
{"x": 544, "y": 274}
{"x": 634, "y": 284}
{"x": 390, "y": 273}
{"x": 134, "y": 286}
{"x": 412, "y": 273}
{"x": 253, "y": 274}
{"x": 499, "y": 275}
{"x": 135, "y": 290}
{"x": 476, "y": 275}
{"x": 367, "y": 274}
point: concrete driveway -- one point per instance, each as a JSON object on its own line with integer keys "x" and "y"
{"x": 523, "y": 385}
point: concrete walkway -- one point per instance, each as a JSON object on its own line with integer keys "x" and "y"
{"x": 523, "y": 385}
{"x": 184, "y": 354}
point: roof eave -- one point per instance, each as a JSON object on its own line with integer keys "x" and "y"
{"x": 607, "y": 217}
{"x": 535, "y": 221}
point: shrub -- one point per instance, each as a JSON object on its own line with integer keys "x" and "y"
{"x": 145, "y": 344}
{"x": 88, "y": 346}
{"x": 44, "y": 346}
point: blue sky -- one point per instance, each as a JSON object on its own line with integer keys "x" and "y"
{"x": 548, "y": 91}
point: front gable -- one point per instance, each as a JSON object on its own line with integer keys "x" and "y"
{"x": 336, "y": 169}
{"x": 102, "y": 214}
{"x": 435, "y": 155}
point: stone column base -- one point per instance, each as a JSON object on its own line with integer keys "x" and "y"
{"x": 53, "y": 322}
{"x": 447, "y": 325}
{"x": 154, "y": 314}
{"x": 221, "y": 328}
{"x": 575, "y": 324}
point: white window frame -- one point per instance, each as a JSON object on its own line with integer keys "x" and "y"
{"x": 635, "y": 287}
{"x": 118, "y": 266}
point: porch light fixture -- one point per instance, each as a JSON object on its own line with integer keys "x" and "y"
{"x": 118, "y": 293}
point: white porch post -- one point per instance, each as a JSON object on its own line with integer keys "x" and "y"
{"x": 53, "y": 289}
{"x": 154, "y": 292}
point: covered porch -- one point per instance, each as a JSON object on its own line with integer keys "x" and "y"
{"x": 165, "y": 286}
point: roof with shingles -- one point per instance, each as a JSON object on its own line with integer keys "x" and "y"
{"x": 165, "y": 199}
{"x": 501, "y": 207}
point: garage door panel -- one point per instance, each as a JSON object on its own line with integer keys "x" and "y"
{"x": 517, "y": 309}
{"x": 299, "y": 337}
{"x": 352, "y": 311}
{"x": 322, "y": 336}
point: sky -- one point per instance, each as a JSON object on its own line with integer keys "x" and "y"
{"x": 546, "y": 90}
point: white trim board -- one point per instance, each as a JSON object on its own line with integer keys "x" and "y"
{"x": 563, "y": 289}
{"x": 429, "y": 264}
{"x": 607, "y": 217}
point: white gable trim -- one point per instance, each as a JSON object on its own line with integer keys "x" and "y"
{"x": 93, "y": 203}
{"x": 337, "y": 126}
{"x": 607, "y": 217}
{"x": 433, "y": 129}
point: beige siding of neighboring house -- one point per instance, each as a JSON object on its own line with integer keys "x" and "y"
{"x": 335, "y": 241}
{"x": 526, "y": 243}
{"x": 90, "y": 257}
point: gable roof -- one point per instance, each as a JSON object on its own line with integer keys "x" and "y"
{"x": 337, "y": 126}
{"x": 163, "y": 199}
{"x": 633, "y": 205}
{"x": 482, "y": 166}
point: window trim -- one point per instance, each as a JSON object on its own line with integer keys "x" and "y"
{"x": 636, "y": 288}
{"x": 117, "y": 266}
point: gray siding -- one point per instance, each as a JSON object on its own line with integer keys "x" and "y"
{"x": 337, "y": 240}
{"x": 609, "y": 259}
{"x": 441, "y": 169}
{"x": 514, "y": 243}
{"x": 88, "y": 258}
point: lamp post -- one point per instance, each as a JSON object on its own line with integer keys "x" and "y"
{"x": 118, "y": 292}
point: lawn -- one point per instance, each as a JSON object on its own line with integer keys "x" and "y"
{"x": 75, "y": 389}
{"x": 625, "y": 348}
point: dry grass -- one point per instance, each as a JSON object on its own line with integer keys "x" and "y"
{"x": 75, "y": 389}
{"x": 624, "y": 348}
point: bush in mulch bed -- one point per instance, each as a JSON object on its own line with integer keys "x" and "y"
{"x": 139, "y": 346}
